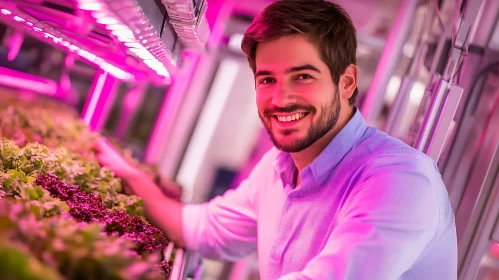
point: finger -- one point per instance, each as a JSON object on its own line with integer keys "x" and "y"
{"x": 100, "y": 159}
{"x": 102, "y": 145}
{"x": 98, "y": 144}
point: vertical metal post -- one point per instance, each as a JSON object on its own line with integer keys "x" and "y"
{"x": 438, "y": 97}
{"x": 446, "y": 96}
{"x": 373, "y": 103}
{"x": 478, "y": 222}
{"x": 465, "y": 115}
{"x": 99, "y": 100}
{"x": 444, "y": 124}
{"x": 170, "y": 109}
{"x": 399, "y": 106}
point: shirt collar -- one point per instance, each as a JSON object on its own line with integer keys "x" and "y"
{"x": 284, "y": 166}
{"x": 334, "y": 152}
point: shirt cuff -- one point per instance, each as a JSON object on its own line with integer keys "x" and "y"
{"x": 191, "y": 225}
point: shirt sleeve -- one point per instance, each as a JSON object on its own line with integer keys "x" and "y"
{"x": 225, "y": 227}
{"x": 383, "y": 228}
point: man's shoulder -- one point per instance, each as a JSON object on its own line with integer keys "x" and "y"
{"x": 390, "y": 167}
{"x": 383, "y": 152}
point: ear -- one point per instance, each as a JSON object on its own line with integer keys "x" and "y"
{"x": 348, "y": 82}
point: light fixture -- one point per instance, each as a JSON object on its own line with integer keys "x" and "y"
{"x": 107, "y": 20}
{"x": 21, "y": 80}
{"x": 126, "y": 20}
{"x": 20, "y": 19}
{"x": 188, "y": 18}
{"x": 90, "y": 6}
{"x": 5, "y": 12}
{"x": 60, "y": 39}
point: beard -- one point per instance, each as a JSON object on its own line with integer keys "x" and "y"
{"x": 326, "y": 121}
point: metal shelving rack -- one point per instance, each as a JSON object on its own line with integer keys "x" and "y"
{"x": 127, "y": 40}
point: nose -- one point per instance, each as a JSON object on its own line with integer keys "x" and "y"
{"x": 283, "y": 95}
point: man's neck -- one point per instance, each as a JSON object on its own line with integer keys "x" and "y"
{"x": 306, "y": 156}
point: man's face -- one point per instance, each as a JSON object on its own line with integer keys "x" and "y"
{"x": 297, "y": 99}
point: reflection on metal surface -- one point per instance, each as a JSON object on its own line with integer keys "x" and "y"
{"x": 178, "y": 265}
{"x": 444, "y": 124}
{"x": 478, "y": 232}
{"x": 99, "y": 101}
{"x": 169, "y": 250}
{"x": 438, "y": 97}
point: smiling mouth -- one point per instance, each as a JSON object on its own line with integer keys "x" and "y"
{"x": 290, "y": 118}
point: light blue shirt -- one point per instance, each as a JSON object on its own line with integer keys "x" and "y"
{"x": 368, "y": 207}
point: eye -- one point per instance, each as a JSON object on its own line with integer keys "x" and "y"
{"x": 266, "y": 81}
{"x": 303, "y": 77}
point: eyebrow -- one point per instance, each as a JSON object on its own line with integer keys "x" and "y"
{"x": 290, "y": 70}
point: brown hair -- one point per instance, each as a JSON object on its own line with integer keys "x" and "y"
{"x": 325, "y": 24}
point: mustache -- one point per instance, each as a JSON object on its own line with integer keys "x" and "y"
{"x": 268, "y": 112}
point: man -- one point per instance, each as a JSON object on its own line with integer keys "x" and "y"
{"x": 335, "y": 199}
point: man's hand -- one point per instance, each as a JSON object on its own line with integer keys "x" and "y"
{"x": 108, "y": 156}
{"x": 156, "y": 204}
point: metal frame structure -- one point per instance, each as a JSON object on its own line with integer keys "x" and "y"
{"x": 373, "y": 102}
{"x": 459, "y": 133}
{"x": 127, "y": 21}
{"x": 482, "y": 229}
{"x": 99, "y": 101}
{"x": 446, "y": 95}
{"x": 136, "y": 52}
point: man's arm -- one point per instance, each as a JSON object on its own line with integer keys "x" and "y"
{"x": 382, "y": 230}
{"x": 163, "y": 212}
{"x": 224, "y": 228}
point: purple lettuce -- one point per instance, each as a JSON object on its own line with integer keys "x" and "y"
{"x": 88, "y": 207}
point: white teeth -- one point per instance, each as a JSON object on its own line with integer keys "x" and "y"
{"x": 289, "y": 118}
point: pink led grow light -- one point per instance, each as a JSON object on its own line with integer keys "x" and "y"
{"x": 60, "y": 39}
{"x": 16, "y": 79}
{"x": 126, "y": 21}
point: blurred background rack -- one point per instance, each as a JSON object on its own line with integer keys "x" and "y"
{"x": 167, "y": 80}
